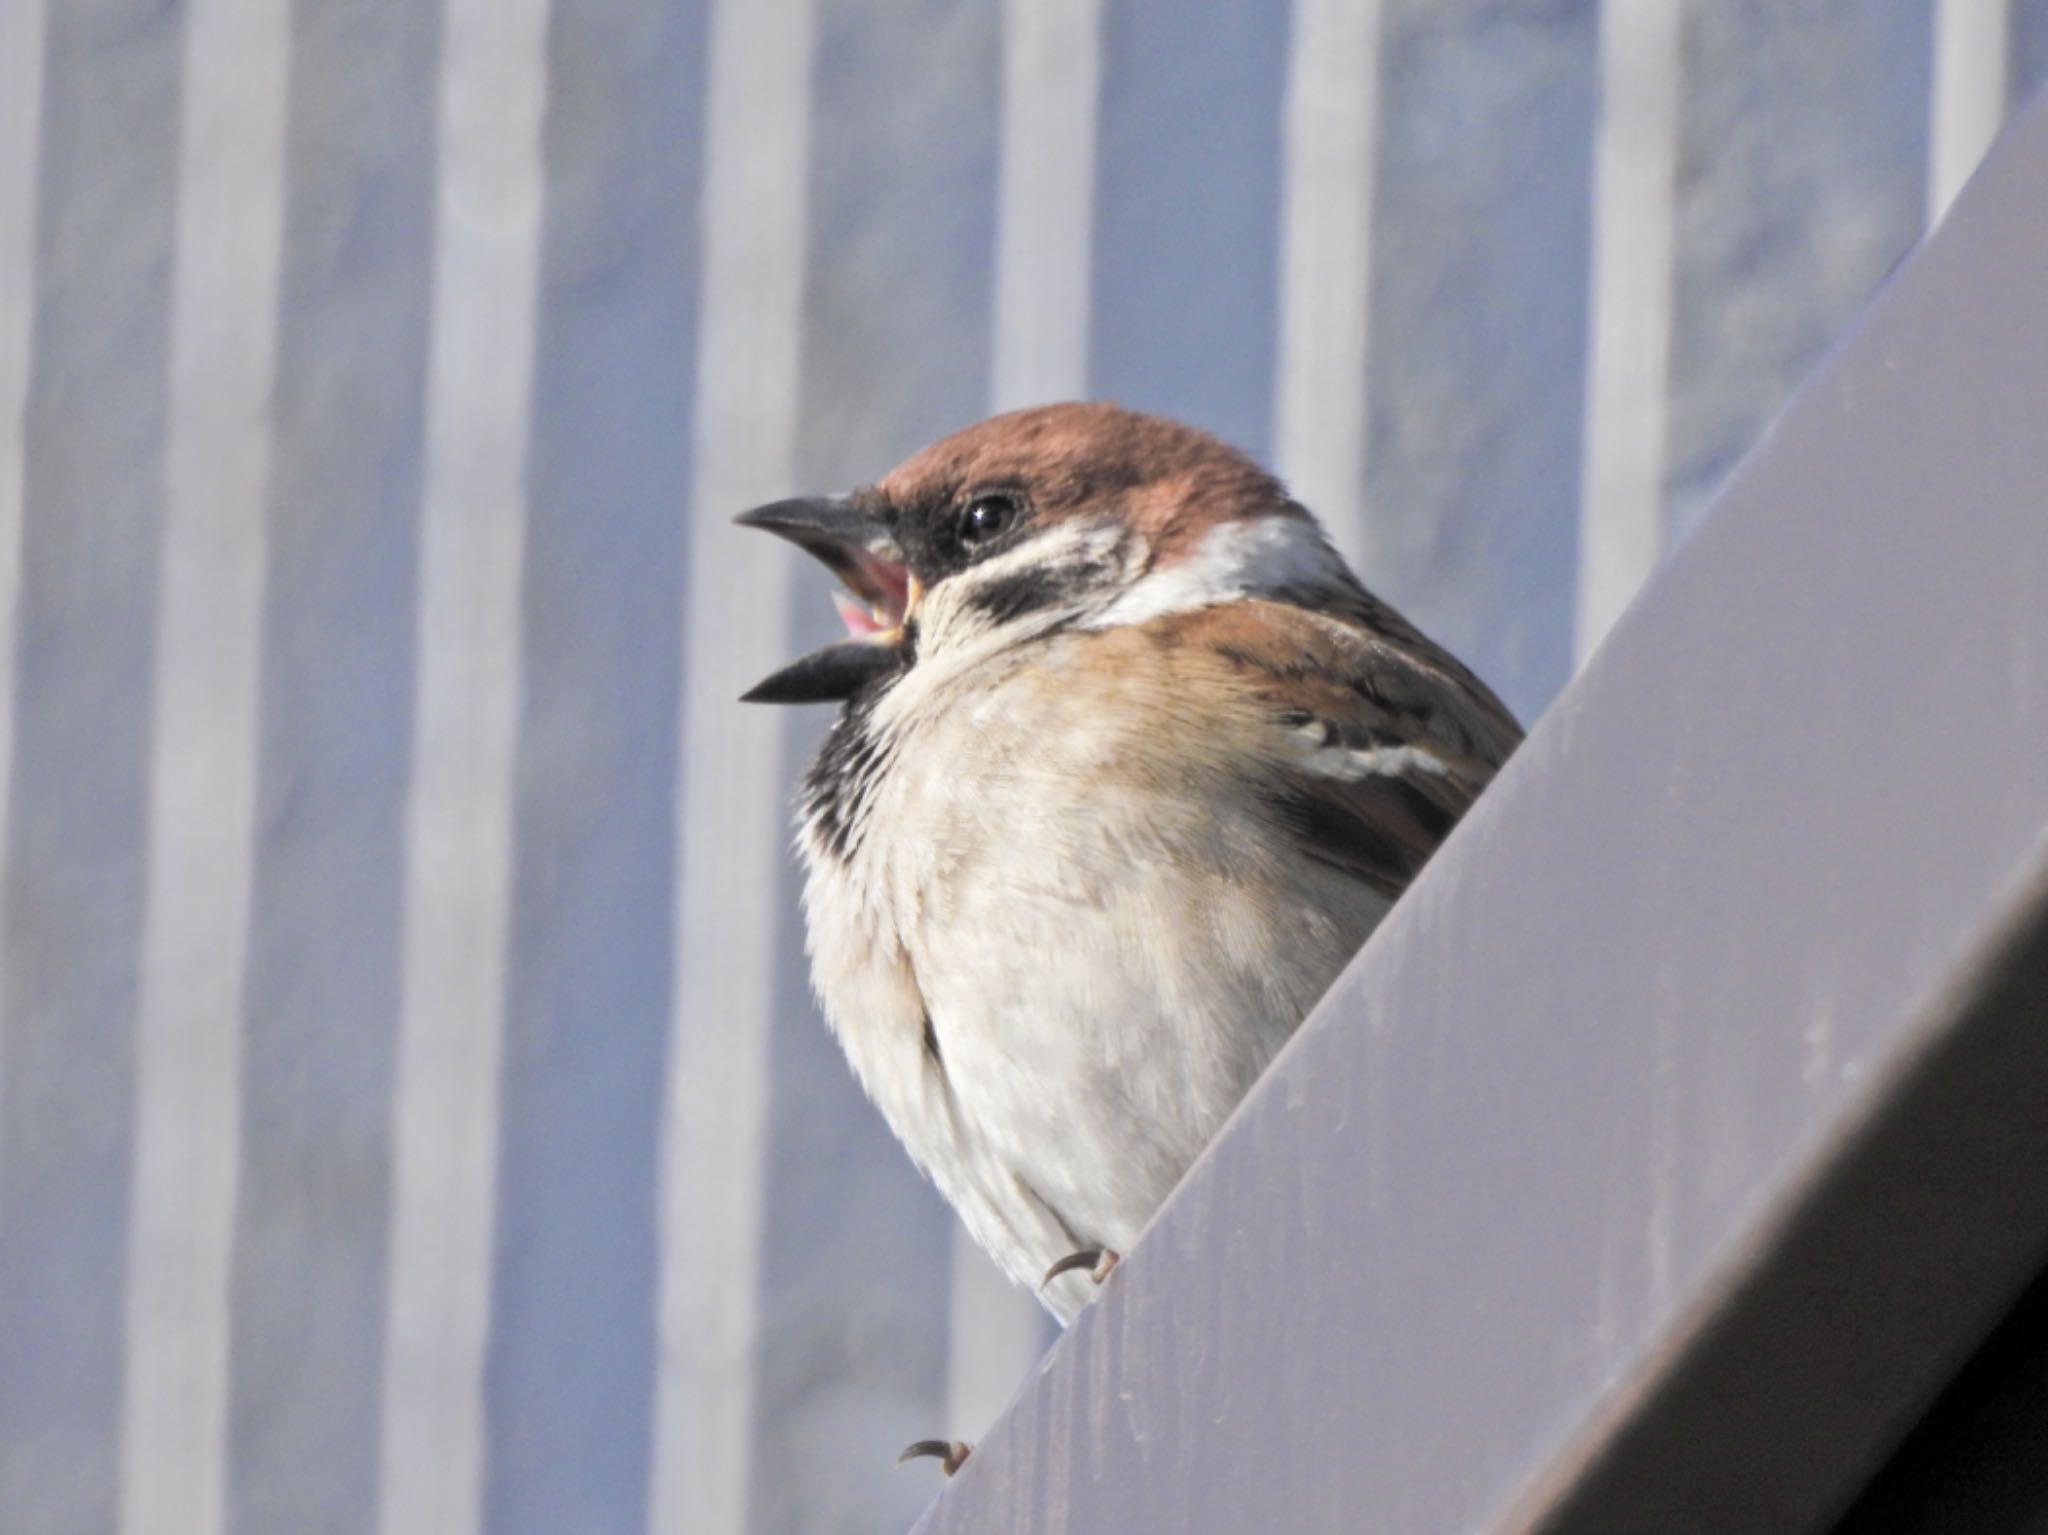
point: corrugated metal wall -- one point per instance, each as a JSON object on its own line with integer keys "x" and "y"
{"x": 412, "y": 1114}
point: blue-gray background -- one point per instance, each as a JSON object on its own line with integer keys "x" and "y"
{"x": 412, "y": 1112}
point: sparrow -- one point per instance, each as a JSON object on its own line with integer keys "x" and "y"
{"x": 1127, "y": 766}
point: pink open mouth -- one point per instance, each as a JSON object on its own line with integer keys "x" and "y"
{"x": 877, "y": 595}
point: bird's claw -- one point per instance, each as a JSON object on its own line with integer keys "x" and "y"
{"x": 1098, "y": 1261}
{"x": 951, "y": 1454}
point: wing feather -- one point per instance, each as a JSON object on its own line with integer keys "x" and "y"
{"x": 1372, "y": 741}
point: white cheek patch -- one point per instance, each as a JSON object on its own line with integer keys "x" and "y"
{"x": 1234, "y": 559}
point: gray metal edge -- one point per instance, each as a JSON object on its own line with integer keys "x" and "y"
{"x": 1677, "y": 1132}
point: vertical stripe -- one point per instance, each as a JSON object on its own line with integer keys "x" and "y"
{"x": 1972, "y": 42}
{"x": 2026, "y": 48}
{"x": 851, "y": 1339}
{"x": 570, "y": 1366}
{"x": 736, "y": 612}
{"x": 1478, "y": 328}
{"x": 1802, "y": 154}
{"x": 74, "y": 882}
{"x": 735, "y": 615}
{"x": 1186, "y": 224}
{"x": 996, "y": 1334}
{"x": 321, "y": 1024}
{"x": 1332, "y": 125}
{"x": 1621, "y": 518}
{"x": 1052, "y": 66}
{"x": 458, "y": 869}
{"x": 203, "y": 765}
{"x": 22, "y": 27}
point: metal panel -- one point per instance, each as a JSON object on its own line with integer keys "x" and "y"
{"x": 1680, "y": 1130}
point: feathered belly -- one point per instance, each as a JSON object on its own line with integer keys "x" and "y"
{"x": 1067, "y": 1020}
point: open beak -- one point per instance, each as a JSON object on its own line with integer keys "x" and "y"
{"x": 880, "y": 591}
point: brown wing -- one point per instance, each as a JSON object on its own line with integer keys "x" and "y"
{"x": 1373, "y": 741}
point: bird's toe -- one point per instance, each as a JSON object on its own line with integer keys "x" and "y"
{"x": 951, "y": 1454}
{"x": 1098, "y": 1261}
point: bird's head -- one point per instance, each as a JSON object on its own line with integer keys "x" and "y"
{"x": 1078, "y": 515}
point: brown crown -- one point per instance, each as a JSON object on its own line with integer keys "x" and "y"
{"x": 1172, "y": 481}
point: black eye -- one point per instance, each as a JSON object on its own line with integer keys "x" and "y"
{"x": 987, "y": 516}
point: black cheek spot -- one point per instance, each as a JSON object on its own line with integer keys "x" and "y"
{"x": 931, "y": 1043}
{"x": 1025, "y": 591}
